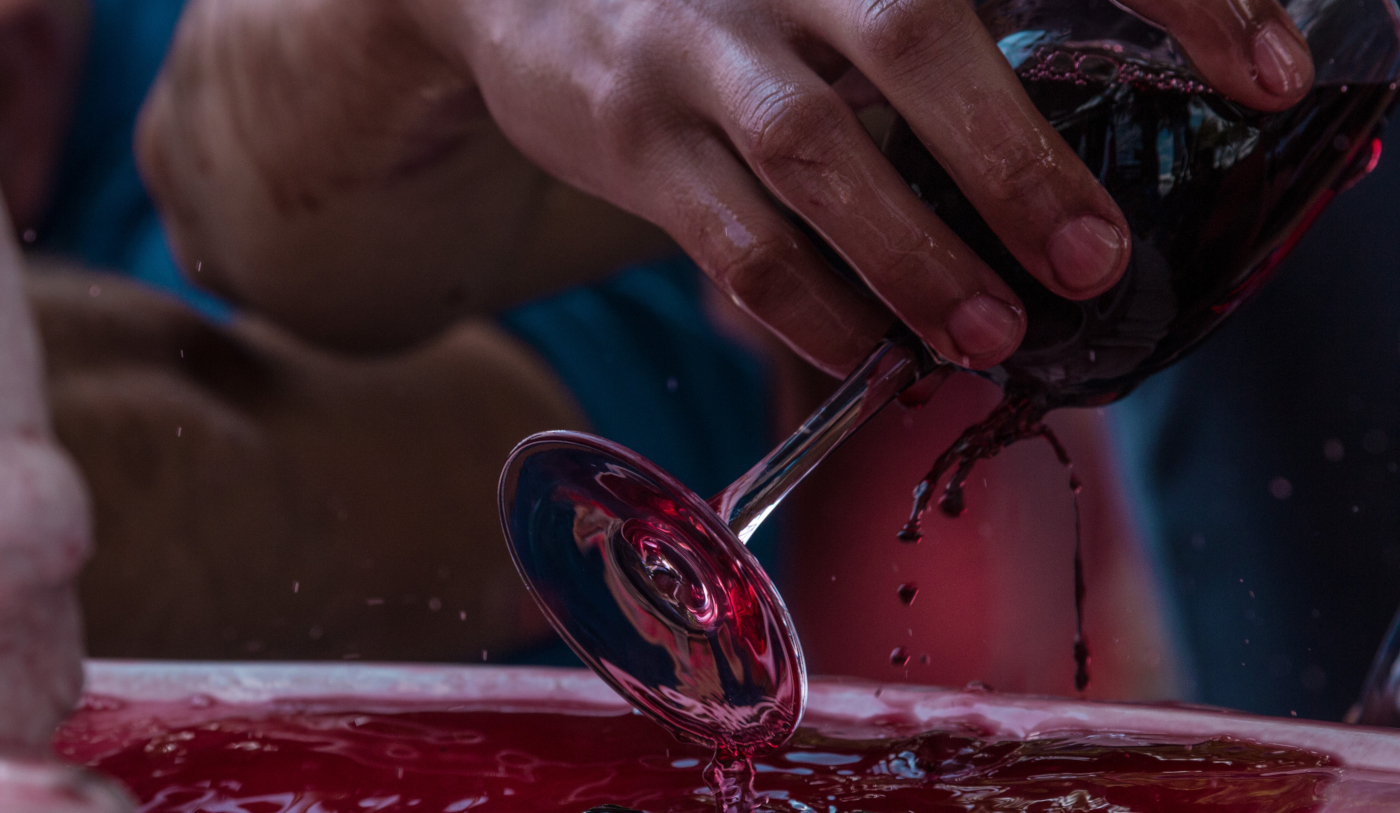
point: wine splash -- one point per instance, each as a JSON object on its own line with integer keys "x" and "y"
{"x": 729, "y": 776}
{"x": 1017, "y": 417}
{"x": 1209, "y": 190}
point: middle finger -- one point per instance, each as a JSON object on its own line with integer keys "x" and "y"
{"x": 937, "y": 65}
{"x": 811, "y": 152}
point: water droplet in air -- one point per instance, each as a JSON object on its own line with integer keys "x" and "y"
{"x": 899, "y": 657}
{"x": 907, "y": 593}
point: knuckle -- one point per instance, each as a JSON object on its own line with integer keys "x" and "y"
{"x": 618, "y": 108}
{"x": 891, "y": 31}
{"x": 783, "y": 125}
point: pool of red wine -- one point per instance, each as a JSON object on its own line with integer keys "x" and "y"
{"x": 331, "y": 756}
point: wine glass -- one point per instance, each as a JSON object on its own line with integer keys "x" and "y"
{"x": 653, "y": 587}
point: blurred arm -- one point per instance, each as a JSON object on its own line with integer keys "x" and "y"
{"x": 255, "y": 496}
{"x": 324, "y": 165}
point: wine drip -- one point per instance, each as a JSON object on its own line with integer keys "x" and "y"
{"x": 1017, "y": 417}
{"x": 1209, "y": 190}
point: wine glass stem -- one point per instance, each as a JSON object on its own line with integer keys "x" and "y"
{"x": 895, "y": 364}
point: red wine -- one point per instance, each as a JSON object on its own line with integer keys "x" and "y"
{"x": 1214, "y": 194}
{"x": 1017, "y": 417}
{"x": 334, "y": 757}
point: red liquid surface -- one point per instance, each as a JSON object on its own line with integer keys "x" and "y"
{"x": 329, "y": 758}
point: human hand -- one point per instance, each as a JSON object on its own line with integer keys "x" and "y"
{"x": 697, "y": 115}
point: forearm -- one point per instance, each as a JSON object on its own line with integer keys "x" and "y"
{"x": 324, "y": 164}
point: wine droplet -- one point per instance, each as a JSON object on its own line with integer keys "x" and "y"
{"x": 1018, "y": 417}
{"x": 1081, "y": 666}
{"x": 911, "y": 533}
{"x": 899, "y": 657}
{"x": 907, "y": 593}
{"x": 953, "y": 503}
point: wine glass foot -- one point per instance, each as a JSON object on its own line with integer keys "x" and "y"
{"x": 653, "y": 591}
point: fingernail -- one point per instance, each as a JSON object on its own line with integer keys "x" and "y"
{"x": 1280, "y": 61}
{"x": 1085, "y": 252}
{"x": 983, "y": 325}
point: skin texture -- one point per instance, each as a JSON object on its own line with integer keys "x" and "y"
{"x": 699, "y": 117}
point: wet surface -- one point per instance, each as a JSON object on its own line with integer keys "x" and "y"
{"x": 328, "y": 756}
